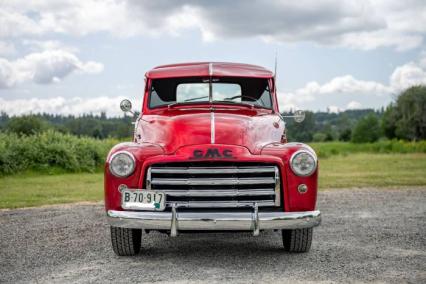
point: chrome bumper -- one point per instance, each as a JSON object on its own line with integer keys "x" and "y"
{"x": 220, "y": 221}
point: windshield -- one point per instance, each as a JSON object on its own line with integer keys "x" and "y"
{"x": 172, "y": 91}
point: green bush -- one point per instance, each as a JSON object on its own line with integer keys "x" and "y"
{"x": 52, "y": 150}
{"x": 366, "y": 130}
{"x": 319, "y": 137}
{"x": 26, "y": 125}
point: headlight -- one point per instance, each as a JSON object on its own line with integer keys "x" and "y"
{"x": 122, "y": 164}
{"x": 303, "y": 163}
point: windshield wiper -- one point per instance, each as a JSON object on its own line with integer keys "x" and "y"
{"x": 186, "y": 101}
{"x": 194, "y": 99}
{"x": 242, "y": 104}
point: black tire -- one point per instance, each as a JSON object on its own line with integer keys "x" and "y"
{"x": 125, "y": 241}
{"x": 297, "y": 240}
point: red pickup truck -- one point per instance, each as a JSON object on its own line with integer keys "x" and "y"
{"x": 210, "y": 154}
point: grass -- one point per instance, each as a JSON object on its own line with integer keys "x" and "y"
{"x": 34, "y": 190}
{"x": 336, "y": 171}
{"x": 373, "y": 170}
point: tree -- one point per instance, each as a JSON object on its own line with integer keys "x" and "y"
{"x": 389, "y": 119}
{"x": 411, "y": 114}
{"x": 345, "y": 135}
{"x": 26, "y": 125}
{"x": 366, "y": 130}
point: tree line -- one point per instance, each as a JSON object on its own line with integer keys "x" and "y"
{"x": 403, "y": 119}
{"x": 89, "y": 125}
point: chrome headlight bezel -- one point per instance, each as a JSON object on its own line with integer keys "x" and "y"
{"x": 295, "y": 170}
{"x": 116, "y": 156}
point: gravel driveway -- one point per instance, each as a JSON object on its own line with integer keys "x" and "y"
{"x": 366, "y": 235}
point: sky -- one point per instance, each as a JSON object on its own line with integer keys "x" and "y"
{"x": 84, "y": 56}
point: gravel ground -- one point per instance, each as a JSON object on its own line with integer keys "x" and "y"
{"x": 367, "y": 235}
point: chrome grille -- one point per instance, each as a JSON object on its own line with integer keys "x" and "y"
{"x": 213, "y": 185}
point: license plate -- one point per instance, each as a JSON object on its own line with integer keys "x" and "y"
{"x": 143, "y": 200}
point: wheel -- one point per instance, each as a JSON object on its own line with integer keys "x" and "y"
{"x": 125, "y": 241}
{"x": 297, "y": 240}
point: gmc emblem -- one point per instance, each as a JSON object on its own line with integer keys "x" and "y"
{"x": 212, "y": 153}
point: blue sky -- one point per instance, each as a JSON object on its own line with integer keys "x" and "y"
{"x": 74, "y": 57}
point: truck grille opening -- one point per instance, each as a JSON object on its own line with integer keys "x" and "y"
{"x": 216, "y": 185}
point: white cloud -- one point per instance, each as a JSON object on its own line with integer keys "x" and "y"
{"x": 7, "y": 48}
{"x": 407, "y": 75}
{"x": 403, "y": 77}
{"x": 382, "y": 38}
{"x": 45, "y": 67}
{"x": 60, "y": 105}
{"x": 8, "y": 77}
{"x": 342, "y": 86}
{"x": 15, "y": 23}
{"x": 43, "y": 45}
{"x": 365, "y": 24}
{"x": 78, "y": 17}
{"x": 354, "y": 105}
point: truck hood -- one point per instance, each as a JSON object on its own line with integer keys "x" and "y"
{"x": 249, "y": 129}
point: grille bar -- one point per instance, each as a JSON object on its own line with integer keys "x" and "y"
{"x": 216, "y": 170}
{"x": 214, "y": 185}
{"x": 212, "y": 181}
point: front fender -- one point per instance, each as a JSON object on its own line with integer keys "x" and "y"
{"x": 140, "y": 151}
{"x": 295, "y": 201}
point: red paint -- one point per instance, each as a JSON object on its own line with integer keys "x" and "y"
{"x": 202, "y": 69}
{"x": 175, "y": 128}
{"x": 170, "y": 135}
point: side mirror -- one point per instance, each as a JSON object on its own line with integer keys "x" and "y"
{"x": 126, "y": 106}
{"x": 299, "y": 116}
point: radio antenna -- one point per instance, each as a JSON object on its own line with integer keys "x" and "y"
{"x": 276, "y": 63}
{"x": 275, "y": 71}
{"x": 275, "y": 82}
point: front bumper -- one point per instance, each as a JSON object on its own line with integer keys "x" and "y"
{"x": 215, "y": 221}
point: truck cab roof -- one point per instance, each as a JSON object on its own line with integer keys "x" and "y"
{"x": 207, "y": 69}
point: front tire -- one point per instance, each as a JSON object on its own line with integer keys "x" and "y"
{"x": 297, "y": 240}
{"x": 126, "y": 241}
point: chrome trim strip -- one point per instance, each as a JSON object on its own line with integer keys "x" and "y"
{"x": 148, "y": 179}
{"x": 214, "y": 220}
{"x": 210, "y": 85}
{"x": 173, "y": 226}
{"x": 218, "y": 192}
{"x": 277, "y": 187}
{"x": 212, "y": 181}
{"x": 256, "y": 229}
{"x": 212, "y": 128}
{"x": 213, "y": 170}
{"x": 210, "y": 69}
